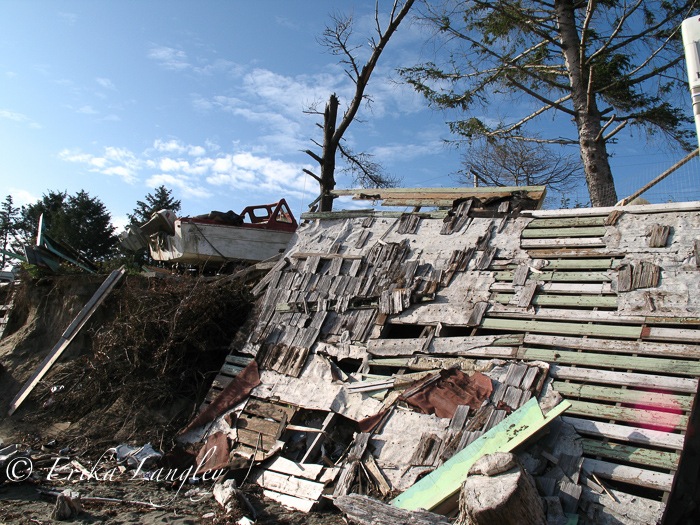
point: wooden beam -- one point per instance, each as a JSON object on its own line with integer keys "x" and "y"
{"x": 637, "y": 416}
{"x": 555, "y": 233}
{"x": 648, "y": 348}
{"x": 632, "y": 475}
{"x": 649, "y": 398}
{"x": 630, "y": 434}
{"x": 68, "y": 335}
{"x": 631, "y": 454}
{"x": 564, "y": 222}
{"x": 636, "y": 209}
{"x": 522, "y": 325}
{"x": 632, "y": 379}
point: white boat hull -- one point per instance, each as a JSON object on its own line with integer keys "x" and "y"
{"x": 197, "y": 243}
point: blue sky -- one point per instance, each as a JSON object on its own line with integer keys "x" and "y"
{"x": 207, "y": 98}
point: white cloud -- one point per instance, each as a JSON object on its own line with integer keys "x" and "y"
{"x": 120, "y": 222}
{"x": 20, "y": 118}
{"x": 198, "y": 171}
{"x": 106, "y": 83}
{"x": 169, "y": 58}
{"x": 87, "y": 110}
{"x": 22, "y": 197}
{"x": 178, "y": 147}
{"x": 188, "y": 187}
{"x": 119, "y": 162}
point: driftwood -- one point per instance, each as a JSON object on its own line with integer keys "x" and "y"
{"x": 367, "y": 511}
{"x": 498, "y": 490}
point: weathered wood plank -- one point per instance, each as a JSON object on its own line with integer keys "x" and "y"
{"x": 631, "y": 454}
{"x": 369, "y": 511}
{"x": 266, "y": 409}
{"x": 438, "y": 345}
{"x": 291, "y": 468}
{"x": 632, "y": 475}
{"x": 577, "y": 315}
{"x": 672, "y": 334}
{"x": 67, "y": 337}
{"x": 527, "y": 294}
{"x": 624, "y": 395}
{"x": 604, "y": 211}
{"x": 289, "y": 501}
{"x": 658, "y": 235}
{"x": 622, "y": 347}
{"x": 570, "y": 242}
{"x": 557, "y": 222}
{"x": 554, "y": 287}
{"x": 647, "y": 364}
{"x": 631, "y": 434}
{"x": 562, "y": 300}
{"x": 255, "y": 439}
{"x": 603, "y": 263}
{"x": 608, "y": 377}
{"x": 260, "y": 425}
{"x": 649, "y": 418}
{"x": 558, "y": 276}
{"x": 285, "y": 484}
{"x": 514, "y": 325}
{"x": 550, "y": 233}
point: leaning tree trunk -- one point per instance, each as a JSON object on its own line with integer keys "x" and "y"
{"x": 601, "y": 186}
{"x": 330, "y": 147}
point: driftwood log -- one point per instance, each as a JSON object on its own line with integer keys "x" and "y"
{"x": 498, "y": 490}
{"x": 368, "y": 511}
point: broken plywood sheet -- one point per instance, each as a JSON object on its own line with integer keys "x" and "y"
{"x": 393, "y": 445}
{"x": 315, "y": 389}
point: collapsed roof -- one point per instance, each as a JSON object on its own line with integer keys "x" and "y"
{"x": 385, "y": 343}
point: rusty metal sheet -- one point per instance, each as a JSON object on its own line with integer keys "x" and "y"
{"x": 453, "y": 388}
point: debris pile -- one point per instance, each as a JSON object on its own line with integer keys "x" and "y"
{"x": 480, "y": 361}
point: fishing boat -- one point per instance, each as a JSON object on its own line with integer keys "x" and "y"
{"x": 257, "y": 233}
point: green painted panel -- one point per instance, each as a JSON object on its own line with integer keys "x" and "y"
{"x": 558, "y": 276}
{"x": 624, "y": 395}
{"x": 620, "y": 362}
{"x": 651, "y": 419}
{"x": 642, "y": 456}
{"x": 591, "y": 301}
{"x": 588, "y": 264}
{"x": 445, "y": 482}
{"x": 556, "y": 233}
{"x": 566, "y": 222}
{"x": 553, "y": 327}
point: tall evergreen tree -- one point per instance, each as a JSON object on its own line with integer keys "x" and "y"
{"x": 9, "y": 216}
{"x": 161, "y": 199}
{"x": 80, "y": 221}
{"x": 602, "y": 65}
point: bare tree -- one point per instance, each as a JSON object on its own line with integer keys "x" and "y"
{"x": 336, "y": 37}
{"x": 518, "y": 163}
